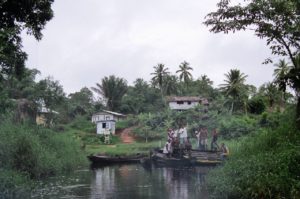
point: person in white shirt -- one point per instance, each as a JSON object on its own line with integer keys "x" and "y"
{"x": 183, "y": 135}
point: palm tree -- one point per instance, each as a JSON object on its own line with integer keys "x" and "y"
{"x": 170, "y": 85}
{"x": 271, "y": 92}
{"x": 160, "y": 71}
{"x": 112, "y": 88}
{"x": 204, "y": 79}
{"x": 282, "y": 70}
{"x": 280, "y": 74}
{"x": 234, "y": 86}
{"x": 184, "y": 72}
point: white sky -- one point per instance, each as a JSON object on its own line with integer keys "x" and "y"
{"x": 89, "y": 39}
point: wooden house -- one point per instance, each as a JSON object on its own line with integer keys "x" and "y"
{"x": 185, "y": 102}
{"x": 106, "y": 121}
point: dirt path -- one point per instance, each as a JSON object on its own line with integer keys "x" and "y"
{"x": 125, "y": 136}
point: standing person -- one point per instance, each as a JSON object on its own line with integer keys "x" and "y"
{"x": 183, "y": 135}
{"x": 214, "y": 145}
{"x": 203, "y": 138}
{"x": 197, "y": 133}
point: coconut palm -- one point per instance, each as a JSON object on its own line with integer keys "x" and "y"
{"x": 280, "y": 73}
{"x": 234, "y": 87}
{"x": 170, "y": 86}
{"x": 271, "y": 92}
{"x": 112, "y": 88}
{"x": 281, "y": 70}
{"x": 184, "y": 72}
{"x": 160, "y": 71}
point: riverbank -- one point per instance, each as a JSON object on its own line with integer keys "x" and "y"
{"x": 264, "y": 165}
{"x": 29, "y": 153}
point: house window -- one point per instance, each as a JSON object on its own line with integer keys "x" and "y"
{"x": 107, "y": 118}
{"x": 189, "y": 103}
{"x": 104, "y": 125}
{"x": 180, "y": 102}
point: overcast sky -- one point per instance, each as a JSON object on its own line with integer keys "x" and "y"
{"x": 89, "y": 39}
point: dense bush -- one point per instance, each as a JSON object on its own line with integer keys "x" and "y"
{"x": 237, "y": 126}
{"x": 84, "y": 124}
{"x": 265, "y": 166}
{"x": 256, "y": 105}
{"x": 14, "y": 185}
{"x": 36, "y": 152}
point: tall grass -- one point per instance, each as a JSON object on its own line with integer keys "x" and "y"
{"x": 265, "y": 165}
{"x": 30, "y": 152}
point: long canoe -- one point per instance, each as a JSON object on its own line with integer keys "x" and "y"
{"x": 104, "y": 159}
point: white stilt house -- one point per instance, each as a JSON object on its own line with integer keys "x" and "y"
{"x": 106, "y": 121}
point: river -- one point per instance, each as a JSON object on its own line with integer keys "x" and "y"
{"x": 127, "y": 181}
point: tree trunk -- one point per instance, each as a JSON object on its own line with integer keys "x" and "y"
{"x": 298, "y": 112}
{"x": 231, "y": 110}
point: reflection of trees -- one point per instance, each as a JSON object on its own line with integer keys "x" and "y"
{"x": 133, "y": 181}
{"x": 103, "y": 184}
{"x": 185, "y": 182}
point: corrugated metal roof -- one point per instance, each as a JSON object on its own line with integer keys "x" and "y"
{"x": 183, "y": 98}
{"x": 110, "y": 112}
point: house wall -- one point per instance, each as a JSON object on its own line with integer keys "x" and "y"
{"x": 41, "y": 119}
{"x": 102, "y": 117}
{"x": 184, "y": 106}
{"x": 105, "y": 127}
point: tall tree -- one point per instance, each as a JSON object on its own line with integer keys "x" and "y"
{"x": 276, "y": 21}
{"x": 112, "y": 88}
{"x": 184, "y": 73}
{"x": 15, "y": 17}
{"x": 160, "y": 71}
{"x": 81, "y": 102}
{"x": 170, "y": 85}
{"x": 234, "y": 86}
{"x": 271, "y": 92}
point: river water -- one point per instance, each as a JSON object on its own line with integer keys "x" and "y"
{"x": 127, "y": 181}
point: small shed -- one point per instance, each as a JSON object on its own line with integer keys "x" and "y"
{"x": 185, "y": 102}
{"x": 45, "y": 116}
{"x": 106, "y": 121}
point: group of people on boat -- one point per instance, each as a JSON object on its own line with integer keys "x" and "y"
{"x": 178, "y": 140}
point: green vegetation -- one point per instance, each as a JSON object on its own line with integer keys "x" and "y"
{"x": 258, "y": 124}
{"x": 29, "y": 153}
{"x": 264, "y": 165}
{"x": 123, "y": 149}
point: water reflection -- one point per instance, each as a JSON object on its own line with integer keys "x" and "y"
{"x": 134, "y": 181}
{"x": 129, "y": 181}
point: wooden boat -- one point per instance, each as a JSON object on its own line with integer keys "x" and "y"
{"x": 105, "y": 159}
{"x": 192, "y": 158}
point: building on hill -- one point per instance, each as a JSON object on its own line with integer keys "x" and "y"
{"x": 44, "y": 115}
{"x": 106, "y": 121}
{"x": 185, "y": 102}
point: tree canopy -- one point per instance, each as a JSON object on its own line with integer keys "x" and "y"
{"x": 276, "y": 21}
{"x": 16, "y": 16}
{"x": 112, "y": 88}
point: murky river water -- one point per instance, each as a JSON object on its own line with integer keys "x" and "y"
{"x": 127, "y": 181}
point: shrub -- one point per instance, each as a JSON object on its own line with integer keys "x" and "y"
{"x": 14, "y": 184}
{"x": 36, "y": 152}
{"x": 237, "y": 126}
{"x": 265, "y": 166}
{"x": 256, "y": 105}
